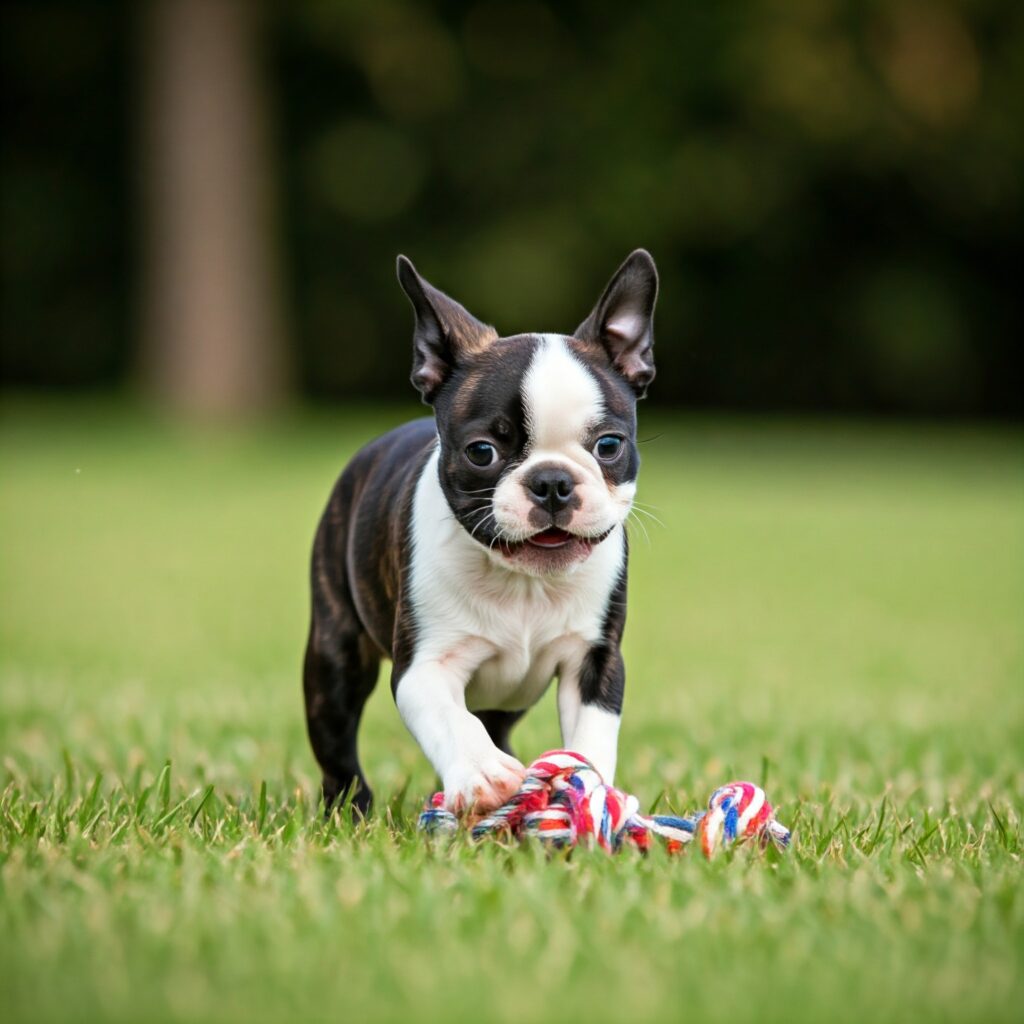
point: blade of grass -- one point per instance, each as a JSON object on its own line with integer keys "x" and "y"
{"x": 202, "y": 803}
{"x": 261, "y": 813}
{"x": 163, "y": 786}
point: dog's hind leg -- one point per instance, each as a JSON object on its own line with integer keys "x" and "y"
{"x": 340, "y": 672}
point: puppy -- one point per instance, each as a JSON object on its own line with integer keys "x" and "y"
{"x": 484, "y": 550}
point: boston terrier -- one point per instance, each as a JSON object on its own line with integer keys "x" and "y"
{"x": 484, "y": 550}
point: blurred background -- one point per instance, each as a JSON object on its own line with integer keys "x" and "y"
{"x": 202, "y": 199}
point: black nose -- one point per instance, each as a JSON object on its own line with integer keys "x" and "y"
{"x": 551, "y": 487}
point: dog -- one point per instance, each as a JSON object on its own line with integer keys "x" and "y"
{"x": 483, "y": 550}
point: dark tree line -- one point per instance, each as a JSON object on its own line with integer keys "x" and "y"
{"x": 833, "y": 191}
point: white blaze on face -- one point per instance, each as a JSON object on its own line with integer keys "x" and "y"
{"x": 561, "y": 398}
{"x": 563, "y": 403}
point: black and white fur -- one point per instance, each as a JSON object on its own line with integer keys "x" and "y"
{"x": 484, "y": 550}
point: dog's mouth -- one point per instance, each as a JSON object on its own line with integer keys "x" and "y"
{"x": 553, "y": 539}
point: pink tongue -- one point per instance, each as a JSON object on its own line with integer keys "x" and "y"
{"x": 550, "y": 538}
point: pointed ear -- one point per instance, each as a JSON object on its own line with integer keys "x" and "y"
{"x": 622, "y": 322}
{"x": 444, "y": 333}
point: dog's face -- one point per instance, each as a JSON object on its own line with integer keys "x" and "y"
{"x": 538, "y": 455}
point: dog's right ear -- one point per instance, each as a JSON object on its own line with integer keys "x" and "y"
{"x": 445, "y": 332}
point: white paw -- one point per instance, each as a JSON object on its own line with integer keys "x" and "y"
{"x": 482, "y": 784}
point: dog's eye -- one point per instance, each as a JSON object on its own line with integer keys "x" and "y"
{"x": 608, "y": 447}
{"x": 481, "y": 454}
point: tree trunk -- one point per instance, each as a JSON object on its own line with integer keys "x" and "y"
{"x": 211, "y": 318}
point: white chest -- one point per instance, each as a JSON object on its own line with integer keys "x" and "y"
{"x": 534, "y": 645}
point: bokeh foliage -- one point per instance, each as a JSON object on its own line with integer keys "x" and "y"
{"x": 832, "y": 188}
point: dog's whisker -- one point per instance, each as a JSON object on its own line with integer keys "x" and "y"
{"x": 640, "y": 525}
{"x": 650, "y": 515}
{"x": 490, "y": 515}
{"x": 646, "y": 505}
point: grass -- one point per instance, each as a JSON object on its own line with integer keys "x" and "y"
{"x": 834, "y": 609}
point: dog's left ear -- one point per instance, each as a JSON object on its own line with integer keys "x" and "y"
{"x": 445, "y": 332}
{"x": 622, "y": 322}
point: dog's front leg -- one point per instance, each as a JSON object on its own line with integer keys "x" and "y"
{"x": 476, "y": 775}
{"x": 590, "y": 707}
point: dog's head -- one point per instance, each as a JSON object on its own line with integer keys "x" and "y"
{"x": 538, "y": 457}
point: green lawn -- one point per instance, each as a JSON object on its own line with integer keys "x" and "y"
{"x": 837, "y": 607}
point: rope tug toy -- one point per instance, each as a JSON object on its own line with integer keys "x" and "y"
{"x": 564, "y": 802}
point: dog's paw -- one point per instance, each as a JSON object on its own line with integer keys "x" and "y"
{"x": 482, "y": 785}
